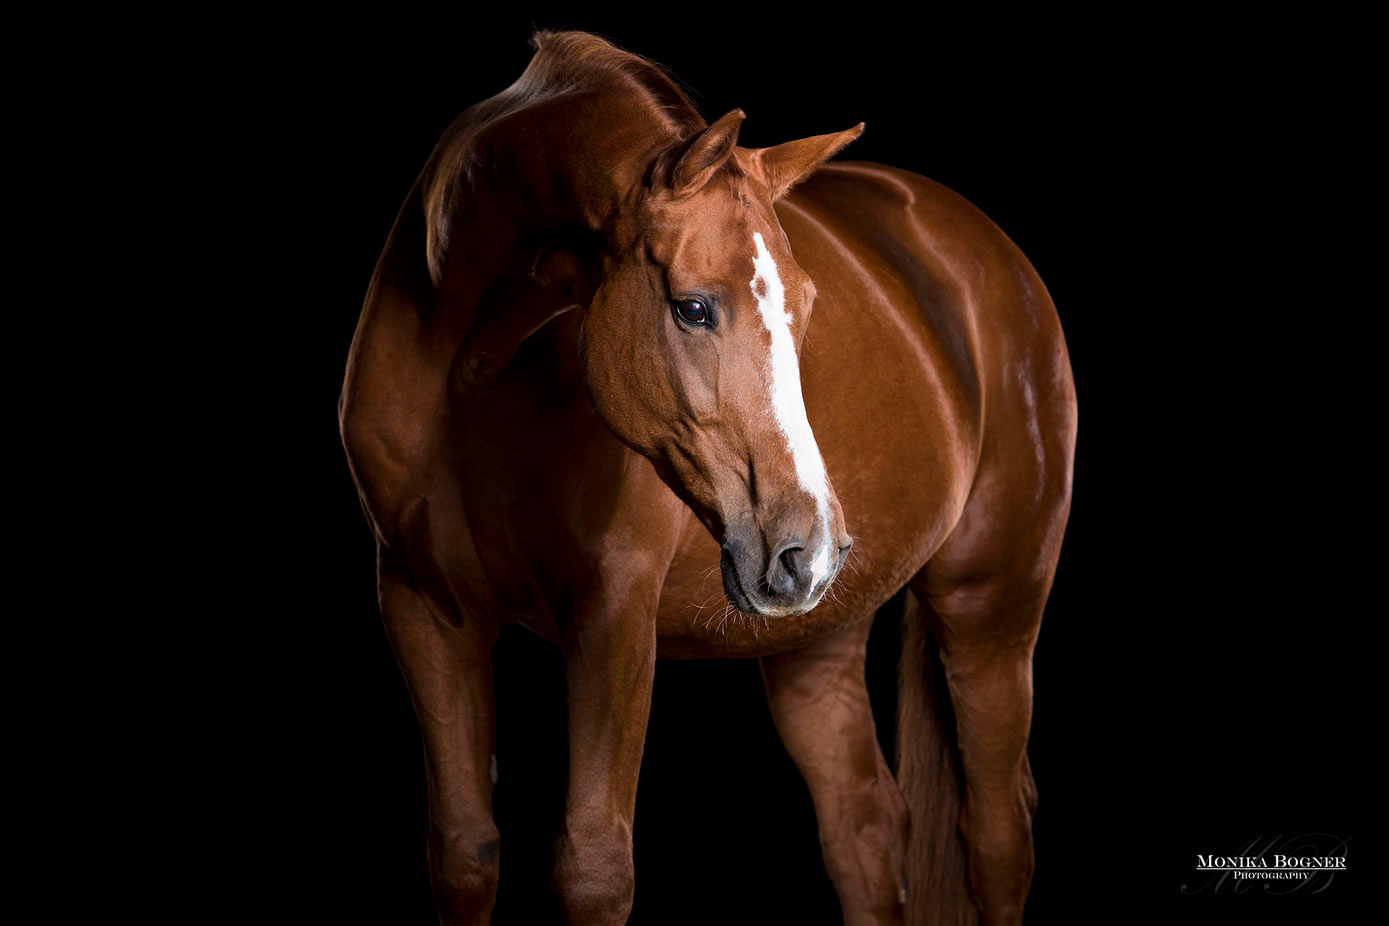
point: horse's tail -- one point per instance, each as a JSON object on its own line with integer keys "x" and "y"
{"x": 932, "y": 783}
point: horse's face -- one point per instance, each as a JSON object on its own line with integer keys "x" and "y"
{"x": 691, "y": 354}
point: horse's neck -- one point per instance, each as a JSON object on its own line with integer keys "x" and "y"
{"x": 516, "y": 202}
{"x": 527, "y": 173}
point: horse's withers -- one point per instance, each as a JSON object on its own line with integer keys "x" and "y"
{"x": 691, "y": 357}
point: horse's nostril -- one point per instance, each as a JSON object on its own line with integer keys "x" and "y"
{"x": 781, "y": 578}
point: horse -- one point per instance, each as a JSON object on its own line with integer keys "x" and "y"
{"x": 652, "y": 394}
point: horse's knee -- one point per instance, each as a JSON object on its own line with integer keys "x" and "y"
{"x": 594, "y": 878}
{"x": 463, "y": 871}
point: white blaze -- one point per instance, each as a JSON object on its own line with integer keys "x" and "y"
{"x": 788, "y": 405}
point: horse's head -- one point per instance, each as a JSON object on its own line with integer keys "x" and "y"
{"x": 691, "y": 354}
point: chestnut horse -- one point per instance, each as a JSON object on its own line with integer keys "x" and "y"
{"x": 588, "y": 379}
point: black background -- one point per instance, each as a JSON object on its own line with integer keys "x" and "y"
{"x": 1181, "y": 191}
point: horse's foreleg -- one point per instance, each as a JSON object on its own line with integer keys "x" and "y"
{"x": 449, "y": 673}
{"x": 820, "y": 705}
{"x": 986, "y": 639}
{"x": 610, "y": 659}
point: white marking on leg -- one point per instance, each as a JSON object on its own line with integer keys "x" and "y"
{"x": 788, "y": 404}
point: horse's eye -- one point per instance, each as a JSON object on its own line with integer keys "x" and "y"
{"x": 692, "y": 311}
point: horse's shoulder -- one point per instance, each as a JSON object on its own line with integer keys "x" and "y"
{"x": 991, "y": 318}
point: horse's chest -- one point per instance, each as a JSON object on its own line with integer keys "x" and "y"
{"x": 553, "y": 502}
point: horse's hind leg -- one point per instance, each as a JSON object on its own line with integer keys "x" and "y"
{"x": 449, "y": 673}
{"x": 820, "y": 705}
{"x": 987, "y": 629}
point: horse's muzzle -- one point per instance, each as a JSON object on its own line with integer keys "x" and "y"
{"x": 781, "y": 584}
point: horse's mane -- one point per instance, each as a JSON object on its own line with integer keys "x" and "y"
{"x": 574, "y": 60}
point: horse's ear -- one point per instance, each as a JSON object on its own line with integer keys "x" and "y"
{"x": 706, "y": 154}
{"x": 786, "y": 165}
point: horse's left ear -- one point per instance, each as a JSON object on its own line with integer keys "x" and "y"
{"x": 787, "y": 165}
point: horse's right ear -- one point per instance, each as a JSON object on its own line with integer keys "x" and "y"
{"x": 706, "y": 154}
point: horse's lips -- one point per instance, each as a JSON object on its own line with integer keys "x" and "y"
{"x": 740, "y": 599}
{"x": 733, "y": 586}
